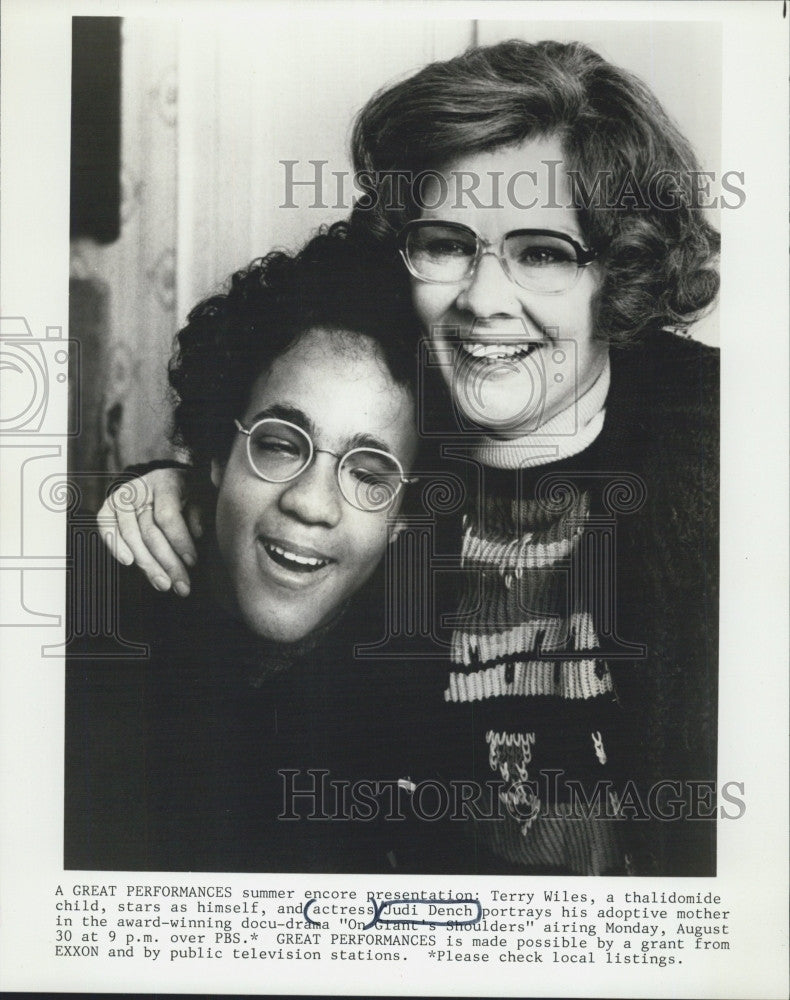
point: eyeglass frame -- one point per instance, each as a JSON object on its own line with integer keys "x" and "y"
{"x": 584, "y": 255}
{"x": 404, "y": 479}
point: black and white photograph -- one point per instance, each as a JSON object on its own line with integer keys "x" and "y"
{"x": 385, "y": 609}
{"x": 554, "y": 246}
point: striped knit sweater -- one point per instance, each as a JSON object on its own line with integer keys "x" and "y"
{"x": 528, "y": 653}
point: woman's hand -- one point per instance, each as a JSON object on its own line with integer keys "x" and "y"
{"x": 148, "y": 521}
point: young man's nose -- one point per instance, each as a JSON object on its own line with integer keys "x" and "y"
{"x": 490, "y": 292}
{"x": 314, "y": 496}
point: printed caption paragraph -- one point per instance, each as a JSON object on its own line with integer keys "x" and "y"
{"x": 171, "y": 924}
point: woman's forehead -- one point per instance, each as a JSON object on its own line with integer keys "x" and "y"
{"x": 522, "y": 186}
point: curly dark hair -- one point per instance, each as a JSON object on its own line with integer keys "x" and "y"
{"x": 333, "y": 283}
{"x": 659, "y": 262}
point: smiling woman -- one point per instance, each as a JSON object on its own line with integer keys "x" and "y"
{"x": 537, "y": 298}
{"x": 554, "y": 236}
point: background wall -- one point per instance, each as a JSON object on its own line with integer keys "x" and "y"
{"x": 209, "y": 109}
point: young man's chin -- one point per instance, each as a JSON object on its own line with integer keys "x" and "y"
{"x": 280, "y": 631}
{"x": 280, "y": 625}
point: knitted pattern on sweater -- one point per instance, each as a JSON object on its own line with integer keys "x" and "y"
{"x": 527, "y": 649}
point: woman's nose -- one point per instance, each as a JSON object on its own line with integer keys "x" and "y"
{"x": 314, "y": 496}
{"x": 490, "y": 292}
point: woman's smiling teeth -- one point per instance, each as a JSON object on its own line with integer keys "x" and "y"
{"x": 293, "y": 560}
{"x": 498, "y": 351}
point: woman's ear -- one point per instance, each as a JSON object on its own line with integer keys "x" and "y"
{"x": 217, "y": 471}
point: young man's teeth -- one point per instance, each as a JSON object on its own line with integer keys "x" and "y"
{"x": 496, "y": 350}
{"x": 293, "y": 557}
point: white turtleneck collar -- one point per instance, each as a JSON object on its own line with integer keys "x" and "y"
{"x": 566, "y": 434}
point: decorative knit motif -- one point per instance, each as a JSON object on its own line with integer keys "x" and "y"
{"x": 511, "y": 754}
{"x": 577, "y": 679}
{"x": 600, "y": 753}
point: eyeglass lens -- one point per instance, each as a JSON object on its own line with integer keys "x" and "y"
{"x": 536, "y": 261}
{"x": 279, "y": 452}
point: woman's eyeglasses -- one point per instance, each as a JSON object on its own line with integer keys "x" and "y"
{"x": 539, "y": 260}
{"x": 279, "y": 451}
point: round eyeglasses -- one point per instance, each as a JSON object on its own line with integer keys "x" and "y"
{"x": 279, "y": 451}
{"x": 539, "y": 260}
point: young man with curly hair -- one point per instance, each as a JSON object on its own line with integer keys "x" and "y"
{"x": 249, "y": 737}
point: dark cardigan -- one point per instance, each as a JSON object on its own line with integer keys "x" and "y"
{"x": 662, "y": 423}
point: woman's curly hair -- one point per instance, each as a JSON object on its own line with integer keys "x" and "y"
{"x": 333, "y": 283}
{"x": 659, "y": 262}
